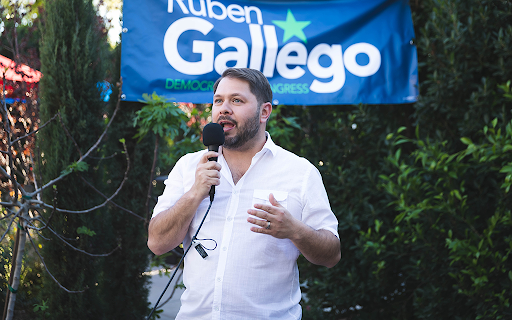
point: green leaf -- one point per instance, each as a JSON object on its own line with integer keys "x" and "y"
{"x": 456, "y": 194}
{"x": 80, "y": 166}
{"x": 85, "y": 230}
{"x": 466, "y": 141}
{"x": 378, "y": 224}
{"x": 506, "y": 169}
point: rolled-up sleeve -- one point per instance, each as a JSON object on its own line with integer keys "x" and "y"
{"x": 317, "y": 211}
{"x": 174, "y": 189}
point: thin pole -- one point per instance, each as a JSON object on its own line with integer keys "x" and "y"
{"x": 11, "y": 276}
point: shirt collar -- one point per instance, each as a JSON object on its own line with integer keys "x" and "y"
{"x": 270, "y": 145}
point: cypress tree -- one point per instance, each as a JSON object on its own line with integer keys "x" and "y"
{"x": 124, "y": 288}
{"x": 72, "y": 52}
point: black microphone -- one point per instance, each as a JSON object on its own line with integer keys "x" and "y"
{"x": 213, "y": 137}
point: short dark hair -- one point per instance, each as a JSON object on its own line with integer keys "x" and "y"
{"x": 258, "y": 83}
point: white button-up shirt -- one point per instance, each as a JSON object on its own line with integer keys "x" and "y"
{"x": 248, "y": 275}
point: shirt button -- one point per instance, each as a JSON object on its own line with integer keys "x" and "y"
{"x": 219, "y": 279}
{"x": 230, "y": 218}
{"x": 225, "y": 248}
{"x": 216, "y": 308}
{"x": 235, "y": 192}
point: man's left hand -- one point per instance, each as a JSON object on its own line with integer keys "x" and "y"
{"x": 282, "y": 223}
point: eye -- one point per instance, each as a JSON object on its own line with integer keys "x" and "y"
{"x": 217, "y": 101}
{"x": 236, "y": 100}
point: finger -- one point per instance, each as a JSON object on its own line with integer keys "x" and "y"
{"x": 273, "y": 201}
{"x": 272, "y": 210}
{"x": 260, "y": 230}
{"x": 258, "y": 213}
{"x": 207, "y": 155}
{"x": 213, "y": 174}
{"x": 212, "y": 165}
{"x": 213, "y": 182}
{"x": 258, "y": 222}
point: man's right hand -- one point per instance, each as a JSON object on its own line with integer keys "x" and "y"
{"x": 207, "y": 175}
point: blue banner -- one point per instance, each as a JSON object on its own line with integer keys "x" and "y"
{"x": 312, "y": 52}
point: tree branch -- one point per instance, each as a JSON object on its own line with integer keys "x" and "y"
{"x": 46, "y": 268}
{"x": 104, "y": 158}
{"x": 41, "y": 127}
{"x": 80, "y": 250}
{"x": 8, "y": 228}
{"x": 69, "y": 135}
{"x": 112, "y": 202}
{"x": 16, "y": 186}
{"x": 53, "y": 211}
{"x": 7, "y": 215}
{"x": 8, "y": 204}
{"x": 108, "y": 199}
{"x": 52, "y": 182}
{"x": 30, "y": 225}
{"x": 7, "y": 126}
{"x": 108, "y": 125}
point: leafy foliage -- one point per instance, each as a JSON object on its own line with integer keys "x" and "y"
{"x": 436, "y": 202}
{"x": 85, "y": 230}
{"x": 397, "y": 196}
{"x": 281, "y": 128}
{"x": 160, "y": 116}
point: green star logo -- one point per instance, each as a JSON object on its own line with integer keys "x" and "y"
{"x": 292, "y": 27}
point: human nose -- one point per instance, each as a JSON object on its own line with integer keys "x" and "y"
{"x": 225, "y": 108}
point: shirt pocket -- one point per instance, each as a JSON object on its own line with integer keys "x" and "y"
{"x": 261, "y": 196}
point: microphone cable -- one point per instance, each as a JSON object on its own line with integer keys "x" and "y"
{"x": 183, "y": 257}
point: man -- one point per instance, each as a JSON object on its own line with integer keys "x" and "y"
{"x": 270, "y": 205}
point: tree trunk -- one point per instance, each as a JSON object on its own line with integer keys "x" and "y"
{"x": 17, "y": 273}
{"x": 11, "y": 275}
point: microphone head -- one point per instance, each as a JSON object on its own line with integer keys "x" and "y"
{"x": 213, "y": 134}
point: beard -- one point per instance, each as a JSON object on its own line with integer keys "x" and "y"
{"x": 245, "y": 132}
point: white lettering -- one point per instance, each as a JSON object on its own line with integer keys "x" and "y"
{"x": 181, "y": 4}
{"x": 336, "y": 70}
{"x": 284, "y": 58}
{"x": 288, "y": 61}
{"x": 202, "y": 10}
{"x": 235, "y": 10}
{"x": 271, "y": 54}
{"x": 248, "y": 14}
{"x": 256, "y": 46}
{"x": 210, "y": 4}
{"x": 240, "y": 55}
{"x": 349, "y": 57}
{"x": 205, "y": 48}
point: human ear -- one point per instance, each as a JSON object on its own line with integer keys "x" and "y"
{"x": 266, "y": 110}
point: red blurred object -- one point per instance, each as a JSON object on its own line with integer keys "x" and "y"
{"x": 19, "y": 73}
{"x": 21, "y": 81}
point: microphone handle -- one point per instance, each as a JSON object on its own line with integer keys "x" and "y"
{"x": 216, "y": 149}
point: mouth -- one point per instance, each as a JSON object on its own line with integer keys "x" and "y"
{"x": 227, "y": 125}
